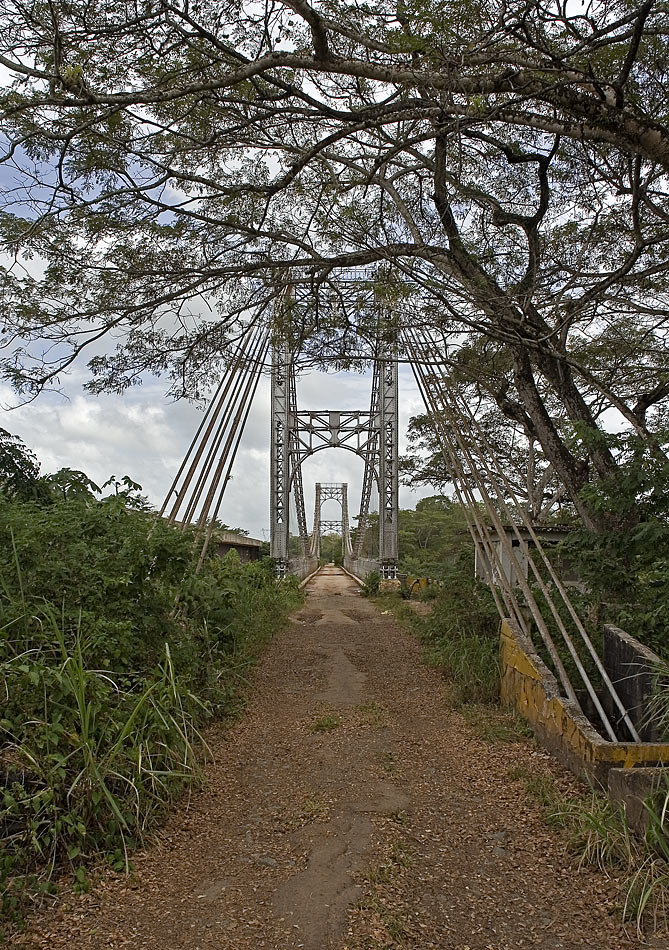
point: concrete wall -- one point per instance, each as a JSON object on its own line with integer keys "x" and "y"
{"x": 246, "y": 552}
{"x": 630, "y": 665}
{"x": 634, "y": 788}
{"x": 361, "y": 566}
{"x": 248, "y": 549}
{"x": 529, "y": 686}
{"x": 302, "y": 566}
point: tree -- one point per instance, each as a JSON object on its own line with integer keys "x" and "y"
{"x": 19, "y": 468}
{"x": 434, "y": 536}
{"x": 176, "y": 171}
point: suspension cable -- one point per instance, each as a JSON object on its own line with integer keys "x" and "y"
{"x": 459, "y": 412}
{"x": 239, "y": 426}
{"x": 482, "y": 463}
{"x": 213, "y": 411}
{"x": 229, "y": 424}
{"x": 244, "y": 368}
{"x": 558, "y": 583}
{"x": 510, "y": 553}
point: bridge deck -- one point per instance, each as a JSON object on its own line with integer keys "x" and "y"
{"x": 350, "y": 807}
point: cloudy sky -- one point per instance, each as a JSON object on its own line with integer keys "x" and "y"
{"x": 145, "y": 436}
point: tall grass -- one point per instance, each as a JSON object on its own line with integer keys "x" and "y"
{"x": 461, "y": 639}
{"x": 599, "y": 835}
{"x": 470, "y": 663}
{"x": 105, "y": 687}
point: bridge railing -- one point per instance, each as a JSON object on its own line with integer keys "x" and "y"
{"x": 302, "y": 566}
{"x": 361, "y": 566}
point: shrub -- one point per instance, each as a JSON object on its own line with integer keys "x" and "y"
{"x": 461, "y": 633}
{"x": 371, "y": 584}
{"x": 113, "y": 653}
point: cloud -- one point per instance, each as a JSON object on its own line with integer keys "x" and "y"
{"x": 145, "y": 436}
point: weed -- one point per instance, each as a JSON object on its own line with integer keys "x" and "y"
{"x": 460, "y": 640}
{"x": 370, "y": 586}
{"x": 81, "y": 885}
{"x": 379, "y": 873}
{"x": 395, "y": 926}
{"x": 372, "y": 714}
{"x": 470, "y": 663}
{"x": 402, "y": 853}
{"x": 389, "y": 763}
{"x": 314, "y": 808}
{"x": 106, "y": 685}
{"x": 542, "y": 788}
{"x": 496, "y": 725}
{"x": 325, "y": 723}
{"x": 597, "y": 829}
{"x": 599, "y": 835}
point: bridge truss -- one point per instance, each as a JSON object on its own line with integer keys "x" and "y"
{"x": 336, "y": 491}
{"x": 478, "y": 479}
{"x": 372, "y": 434}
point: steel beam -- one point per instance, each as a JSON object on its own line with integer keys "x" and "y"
{"x": 298, "y": 434}
{"x": 280, "y": 457}
{"x": 388, "y": 463}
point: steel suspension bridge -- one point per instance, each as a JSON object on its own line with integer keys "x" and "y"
{"x": 497, "y": 519}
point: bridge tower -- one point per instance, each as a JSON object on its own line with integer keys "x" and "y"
{"x": 371, "y": 434}
{"x": 338, "y": 491}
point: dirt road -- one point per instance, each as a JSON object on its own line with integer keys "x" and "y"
{"x": 349, "y": 809}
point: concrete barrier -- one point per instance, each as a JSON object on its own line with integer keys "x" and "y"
{"x": 355, "y": 577}
{"x": 302, "y": 566}
{"x": 361, "y": 566}
{"x": 529, "y": 686}
{"x": 634, "y": 789}
{"x": 630, "y": 665}
{"x": 305, "y": 581}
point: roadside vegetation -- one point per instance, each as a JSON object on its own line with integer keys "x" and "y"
{"x": 114, "y": 654}
{"x": 457, "y": 623}
{"x": 599, "y": 836}
{"x": 459, "y": 626}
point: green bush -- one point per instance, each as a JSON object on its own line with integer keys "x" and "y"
{"x": 371, "y": 584}
{"x": 625, "y": 569}
{"x": 113, "y": 653}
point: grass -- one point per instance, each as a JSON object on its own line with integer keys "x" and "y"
{"x": 389, "y": 763}
{"x": 379, "y": 874}
{"x": 100, "y": 732}
{"x": 596, "y": 828}
{"x": 599, "y": 836}
{"x": 402, "y": 853}
{"x": 326, "y": 723}
{"x": 390, "y": 918}
{"x": 462, "y": 648}
{"x": 314, "y": 808}
{"x": 469, "y": 663}
{"x": 495, "y": 724}
{"x": 388, "y": 925}
{"x": 372, "y": 714}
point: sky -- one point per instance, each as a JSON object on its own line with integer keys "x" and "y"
{"x": 144, "y": 435}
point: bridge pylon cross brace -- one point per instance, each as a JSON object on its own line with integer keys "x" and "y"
{"x": 297, "y": 434}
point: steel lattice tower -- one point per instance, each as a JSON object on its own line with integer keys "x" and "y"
{"x": 371, "y": 434}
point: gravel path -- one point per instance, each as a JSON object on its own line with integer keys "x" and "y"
{"x": 350, "y": 808}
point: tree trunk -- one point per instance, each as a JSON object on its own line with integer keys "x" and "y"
{"x": 571, "y": 471}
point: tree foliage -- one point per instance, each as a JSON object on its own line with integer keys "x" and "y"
{"x": 172, "y": 174}
{"x": 19, "y": 469}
